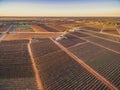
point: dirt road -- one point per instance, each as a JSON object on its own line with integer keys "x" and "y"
{"x": 38, "y": 81}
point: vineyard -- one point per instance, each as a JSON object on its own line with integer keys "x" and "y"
{"x": 13, "y": 42}
{"x": 80, "y": 34}
{"x": 70, "y": 41}
{"x": 59, "y": 53}
{"x": 91, "y": 28}
{"x": 49, "y": 29}
{"x": 58, "y": 28}
{"x": 15, "y": 66}
{"x": 102, "y": 35}
{"x": 102, "y": 41}
{"x": 111, "y": 32}
{"x": 106, "y": 63}
{"x": 46, "y": 46}
{"x": 112, "y": 45}
{"x": 62, "y": 73}
{"x": 20, "y": 28}
{"x": 112, "y": 29}
{"x": 37, "y": 28}
{"x": 3, "y": 28}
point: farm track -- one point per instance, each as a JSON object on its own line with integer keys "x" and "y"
{"x": 110, "y": 34}
{"x": 39, "y": 83}
{"x": 4, "y": 34}
{"x": 78, "y": 44}
{"x": 101, "y": 78}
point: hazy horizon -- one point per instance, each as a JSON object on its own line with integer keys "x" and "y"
{"x": 63, "y": 8}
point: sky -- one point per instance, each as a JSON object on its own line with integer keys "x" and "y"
{"x": 59, "y": 7}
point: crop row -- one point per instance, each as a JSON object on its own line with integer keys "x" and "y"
{"x": 58, "y": 71}
{"x": 14, "y": 42}
{"x": 57, "y": 27}
{"x": 18, "y": 84}
{"x": 15, "y": 66}
{"x": 4, "y": 28}
{"x": 91, "y": 28}
{"x": 70, "y": 41}
{"x": 23, "y": 29}
{"x": 111, "y": 31}
{"x": 48, "y": 28}
{"x": 46, "y": 46}
{"x": 114, "y": 38}
{"x": 106, "y": 62}
{"x": 37, "y": 28}
{"x": 80, "y": 34}
{"x": 109, "y": 44}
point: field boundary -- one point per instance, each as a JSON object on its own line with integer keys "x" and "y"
{"x": 37, "y": 77}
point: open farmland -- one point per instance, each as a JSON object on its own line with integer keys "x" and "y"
{"x": 3, "y": 28}
{"x": 80, "y": 34}
{"x": 111, "y": 29}
{"x": 46, "y": 46}
{"x": 22, "y": 28}
{"x": 105, "y": 41}
{"x": 49, "y": 29}
{"x": 70, "y": 41}
{"x": 13, "y": 36}
{"x": 66, "y": 73}
{"x": 59, "y": 54}
{"x": 111, "y": 32}
{"x": 91, "y": 28}
{"x": 100, "y": 35}
{"x": 106, "y": 63}
{"x": 15, "y": 66}
{"x": 58, "y": 28}
{"x": 109, "y": 44}
{"x": 68, "y": 25}
{"x": 37, "y": 28}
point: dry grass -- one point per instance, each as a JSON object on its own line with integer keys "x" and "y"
{"x": 38, "y": 28}
{"x": 58, "y": 27}
{"x": 31, "y": 35}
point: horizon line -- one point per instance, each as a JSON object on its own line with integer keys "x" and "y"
{"x": 59, "y": 16}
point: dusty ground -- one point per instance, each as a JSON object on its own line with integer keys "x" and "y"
{"x": 32, "y": 35}
{"x": 38, "y": 28}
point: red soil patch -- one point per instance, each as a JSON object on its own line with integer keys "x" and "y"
{"x": 38, "y": 28}
{"x": 32, "y": 35}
